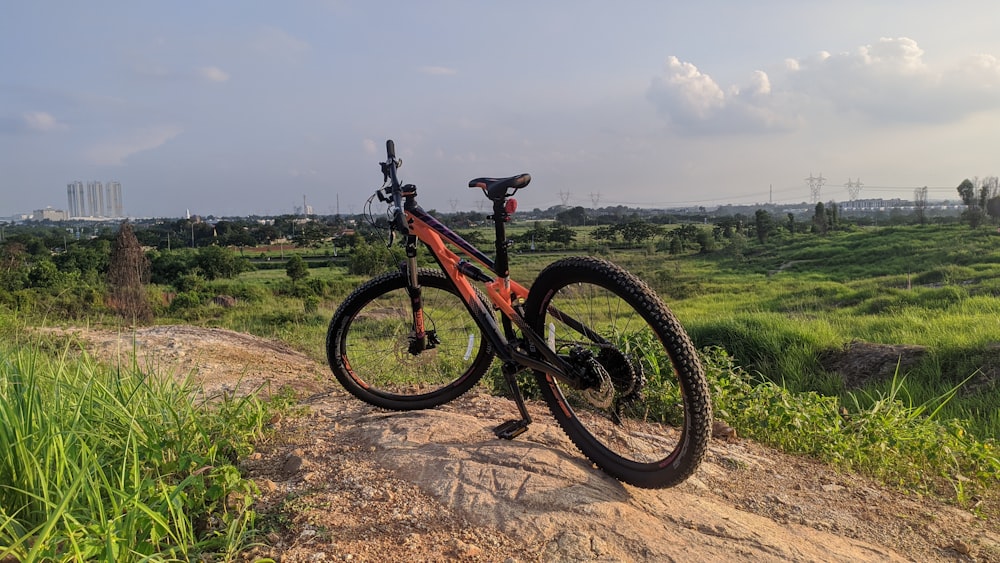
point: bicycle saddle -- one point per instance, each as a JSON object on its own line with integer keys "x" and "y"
{"x": 496, "y": 188}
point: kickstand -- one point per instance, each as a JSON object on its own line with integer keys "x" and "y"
{"x": 513, "y": 428}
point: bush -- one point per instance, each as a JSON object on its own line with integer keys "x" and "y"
{"x": 189, "y": 282}
{"x": 370, "y": 259}
{"x": 184, "y": 301}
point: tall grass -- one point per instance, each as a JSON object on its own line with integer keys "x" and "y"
{"x": 781, "y": 307}
{"x": 111, "y": 463}
{"x": 882, "y": 434}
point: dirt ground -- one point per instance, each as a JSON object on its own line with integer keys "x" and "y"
{"x": 346, "y": 482}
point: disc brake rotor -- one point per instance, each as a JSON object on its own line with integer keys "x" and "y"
{"x": 401, "y": 352}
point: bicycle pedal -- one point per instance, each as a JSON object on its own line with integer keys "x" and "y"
{"x": 511, "y": 429}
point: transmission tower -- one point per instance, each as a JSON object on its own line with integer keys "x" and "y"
{"x": 454, "y": 204}
{"x": 815, "y": 186}
{"x": 564, "y": 196}
{"x": 595, "y": 198}
{"x": 853, "y": 188}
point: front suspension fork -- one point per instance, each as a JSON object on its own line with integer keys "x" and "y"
{"x": 418, "y": 341}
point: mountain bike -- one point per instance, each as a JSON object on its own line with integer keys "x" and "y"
{"x": 614, "y": 365}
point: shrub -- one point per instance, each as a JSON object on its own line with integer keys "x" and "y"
{"x": 370, "y": 259}
{"x": 185, "y": 300}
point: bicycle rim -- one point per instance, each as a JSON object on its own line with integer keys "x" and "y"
{"x": 370, "y": 344}
{"x": 645, "y": 417}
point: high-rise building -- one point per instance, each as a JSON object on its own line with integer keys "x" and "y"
{"x": 113, "y": 199}
{"x": 74, "y": 193}
{"x": 98, "y": 200}
{"x": 95, "y": 199}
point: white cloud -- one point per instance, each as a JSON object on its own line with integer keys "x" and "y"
{"x": 213, "y": 74}
{"x": 40, "y": 121}
{"x": 437, "y": 70}
{"x": 889, "y": 82}
{"x": 695, "y": 104}
{"x": 114, "y": 153}
{"x": 885, "y": 82}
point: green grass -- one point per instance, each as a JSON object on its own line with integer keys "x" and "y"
{"x": 115, "y": 463}
{"x": 885, "y": 434}
{"x": 781, "y": 307}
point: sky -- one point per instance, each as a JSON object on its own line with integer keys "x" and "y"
{"x": 233, "y": 108}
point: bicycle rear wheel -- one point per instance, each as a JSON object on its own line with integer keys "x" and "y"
{"x": 368, "y": 344}
{"x": 645, "y": 417}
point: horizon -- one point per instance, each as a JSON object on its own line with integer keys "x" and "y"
{"x": 844, "y": 206}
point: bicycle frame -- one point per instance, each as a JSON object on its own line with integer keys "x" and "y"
{"x": 504, "y": 293}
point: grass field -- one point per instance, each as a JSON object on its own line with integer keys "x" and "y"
{"x": 779, "y": 309}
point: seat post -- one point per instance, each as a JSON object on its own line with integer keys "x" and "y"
{"x": 500, "y": 218}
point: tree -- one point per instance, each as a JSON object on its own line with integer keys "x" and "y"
{"x": 763, "y": 224}
{"x": 369, "y": 259}
{"x": 832, "y": 216}
{"x": 819, "y": 220}
{"x": 637, "y": 231}
{"x": 128, "y": 274}
{"x": 296, "y": 268}
{"x": 967, "y": 191}
{"x": 217, "y": 262}
{"x": 167, "y": 267}
{"x": 44, "y": 274}
{"x": 993, "y": 208}
{"x": 706, "y": 241}
{"x": 561, "y": 234}
{"x": 605, "y": 232}
{"x": 572, "y": 217}
{"x": 13, "y": 267}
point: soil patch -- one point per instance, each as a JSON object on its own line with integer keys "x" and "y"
{"x": 859, "y": 363}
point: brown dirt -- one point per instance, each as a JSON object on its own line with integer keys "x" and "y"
{"x": 347, "y": 482}
{"x": 859, "y": 363}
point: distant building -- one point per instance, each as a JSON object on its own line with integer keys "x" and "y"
{"x": 74, "y": 193}
{"x": 97, "y": 200}
{"x": 113, "y": 198}
{"x": 49, "y": 214}
{"x": 875, "y": 204}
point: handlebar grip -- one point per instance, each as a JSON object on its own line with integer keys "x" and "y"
{"x": 390, "y": 150}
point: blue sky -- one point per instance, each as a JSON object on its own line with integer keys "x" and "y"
{"x": 234, "y": 107}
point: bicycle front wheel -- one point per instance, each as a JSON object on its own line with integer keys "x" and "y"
{"x": 644, "y": 416}
{"x": 369, "y": 344}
